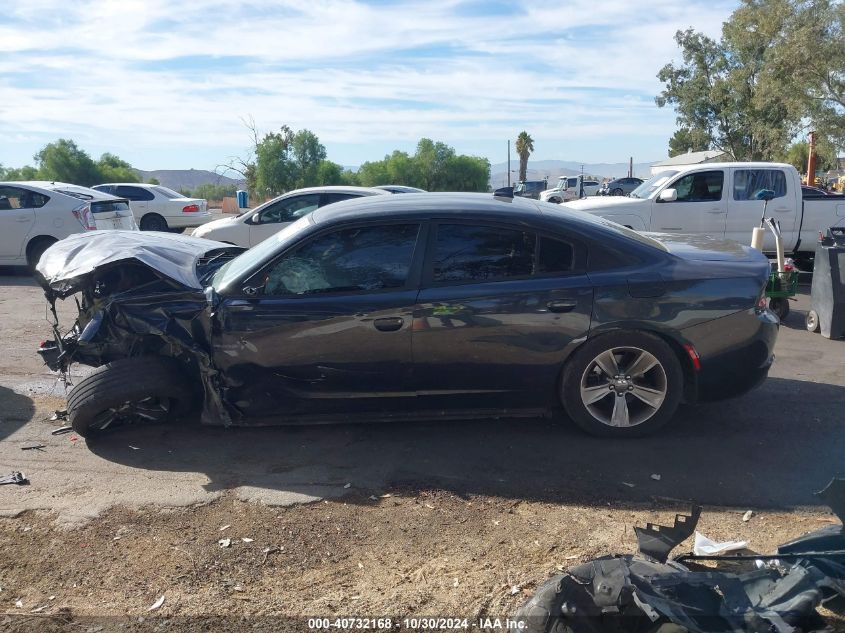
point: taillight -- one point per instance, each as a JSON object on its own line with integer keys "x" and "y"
{"x": 191, "y": 208}
{"x": 85, "y": 217}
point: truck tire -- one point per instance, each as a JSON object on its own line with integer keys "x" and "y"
{"x": 622, "y": 384}
{"x": 129, "y": 391}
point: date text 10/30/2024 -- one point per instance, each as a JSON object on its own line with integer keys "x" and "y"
{"x": 420, "y": 623}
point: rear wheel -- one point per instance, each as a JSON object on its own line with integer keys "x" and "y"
{"x": 130, "y": 391}
{"x": 622, "y": 384}
{"x": 36, "y": 249}
{"x": 153, "y": 222}
{"x": 617, "y": 192}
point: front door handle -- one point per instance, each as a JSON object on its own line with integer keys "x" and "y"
{"x": 716, "y": 211}
{"x": 388, "y": 324}
{"x": 783, "y": 210}
{"x": 561, "y": 306}
{"x": 23, "y": 218}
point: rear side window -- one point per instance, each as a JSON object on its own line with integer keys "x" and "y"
{"x": 329, "y": 198}
{"x": 555, "y": 256}
{"x": 136, "y": 194}
{"x": 750, "y": 182}
{"x": 477, "y": 253}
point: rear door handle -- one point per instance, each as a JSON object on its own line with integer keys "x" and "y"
{"x": 716, "y": 211}
{"x": 561, "y": 306}
{"x": 23, "y": 218}
{"x": 783, "y": 210}
{"x": 388, "y": 324}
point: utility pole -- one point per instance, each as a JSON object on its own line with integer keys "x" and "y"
{"x": 811, "y": 161}
{"x": 631, "y": 167}
{"x": 509, "y": 162}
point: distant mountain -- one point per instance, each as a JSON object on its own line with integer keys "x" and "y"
{"x": 177, "y": 179}
{"x": 553, "y": 169}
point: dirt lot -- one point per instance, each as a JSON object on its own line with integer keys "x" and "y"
{"x": 430, "y": 519}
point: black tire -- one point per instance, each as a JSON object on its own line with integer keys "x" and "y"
{"x": 36, "y": 249}
{"x": 780, "y": 306}
{"x": 153, "y": 222}
{"x": 630, "y": 350}
{"x": 617, "y": 192}
{"x": 554, "y": 200}
{"x": 146, "y": 388}
{"x": 811, "y": 322}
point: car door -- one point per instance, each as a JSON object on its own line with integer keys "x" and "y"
{"x": 275, "y": 217}
{"x": 17, "y": 218}
{"x": 498, "y": 308}
{"x": 325, "y": 328}
{"x": 745, "y": 210}
{"x": 701, "y": 205}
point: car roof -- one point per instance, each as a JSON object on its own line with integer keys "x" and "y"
{"x": 339, "y": 189}
{"x": 411, "y": 204}
{"x": 60, "y": 187}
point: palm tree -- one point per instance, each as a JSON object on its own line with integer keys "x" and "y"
{"x": 524, "y": 147}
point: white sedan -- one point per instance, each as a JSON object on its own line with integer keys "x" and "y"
{"x": 256, "y": 225}
{"x": 35, "y": 215}
{"x": 158, "y": 208}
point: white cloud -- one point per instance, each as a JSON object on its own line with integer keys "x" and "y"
{"x": 150, "y": 73}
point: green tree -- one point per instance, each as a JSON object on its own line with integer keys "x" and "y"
{"x": 153, "y": 181}
{"x": 798, "y": 155}
{"x": 686, "y": 140}
{"x": 307, "y": 153}
{"x": 27, "y": 172}
{"x": 431, "y": 163}
{"x": 63, "y": 161}
{"x": 372, "y": 173}
{"x": 329, "y": 173}
{"x": 524, "y": 146}
{"x": 275, "y": 172}
{"x": 113, "y": 169}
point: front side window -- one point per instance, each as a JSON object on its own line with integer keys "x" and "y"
{"x": 289, "y": 209}
{"x": 478, "y": 253}
{"x": 19, "y": 198}
{"x": 362, "y": 259}
{"x": 705, "y": 186}
{"x": 748, "y": 183}
{"x": 650, "y": 186}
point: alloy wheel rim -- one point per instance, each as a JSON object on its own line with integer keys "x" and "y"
{"x": 150, "y": 409}
{"x": 623, "y": 386}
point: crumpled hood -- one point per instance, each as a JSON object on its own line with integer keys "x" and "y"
{"x": 67, "y": 262}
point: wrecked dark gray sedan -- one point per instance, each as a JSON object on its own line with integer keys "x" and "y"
{"x": 405, "y": 307}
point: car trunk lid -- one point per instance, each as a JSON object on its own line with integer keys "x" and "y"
{"x": 706, "y": 248}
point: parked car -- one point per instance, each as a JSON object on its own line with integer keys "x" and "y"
{"x": 720, "y": 200}
{"x": 399, "y": 189}
{"x": 35, "y": 214}
{"x": 619, "y": 186}
{"x": 256, "y": 225}
{"x": 530, "y": 188}
{"x": 419, "y": 306}
{"x": 569, "y": 188}
{"x": 158, "y": 208}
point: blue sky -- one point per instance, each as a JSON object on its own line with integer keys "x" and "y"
{"x": 167, "y": 85}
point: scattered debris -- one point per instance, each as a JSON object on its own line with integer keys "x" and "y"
{"x": 237, "y": 588}
{"x": 40, "y": 609}
{"x": 348, "y": 486}
{"x": 59, "y": 414}
{"x": 34, "y": 447}
{"x": 225, "y": 527}
{"x": 19, "y": 604}
{"x": 360, "y": 565}
{"x": 15, "y": 477}
{"x": 630, "y": 485}
{"x": 61, "y": 430}
{"x": 157, "y": 604}
{"x": 705, "y": 547}
{"x": 747, "y": 516}
{"x": 225, "y": 542}
{"x": 628, "y": 593}
{"x": 429, "y": 506}
{"x": 515, "y": 590}
{"x": 373, "y": 497}
{"x": 246, "y": 539}
{"x": 134, "y": 448}
{"x": 656, "y": 477}
{"x": 455, "y": 583}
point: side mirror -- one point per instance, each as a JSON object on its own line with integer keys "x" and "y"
{"x": 668, "y": 195}
{"x": 765, "y": 194}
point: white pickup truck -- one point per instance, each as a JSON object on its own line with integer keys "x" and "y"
{"x": 720, "y": 199}
{"x": 569, "y": 188}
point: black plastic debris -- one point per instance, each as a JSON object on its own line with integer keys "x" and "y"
{"x": 647, "y": 592}
{"x": 34, "y": 447}
{"x": 15, "y": 477}
{"x": 656, "y": 541}
{"x": 61, "y": 430}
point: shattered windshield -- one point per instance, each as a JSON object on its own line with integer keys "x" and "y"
{"x": 257, "y": 255}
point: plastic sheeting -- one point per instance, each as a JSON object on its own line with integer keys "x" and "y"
{"x": 174, "y": 256}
